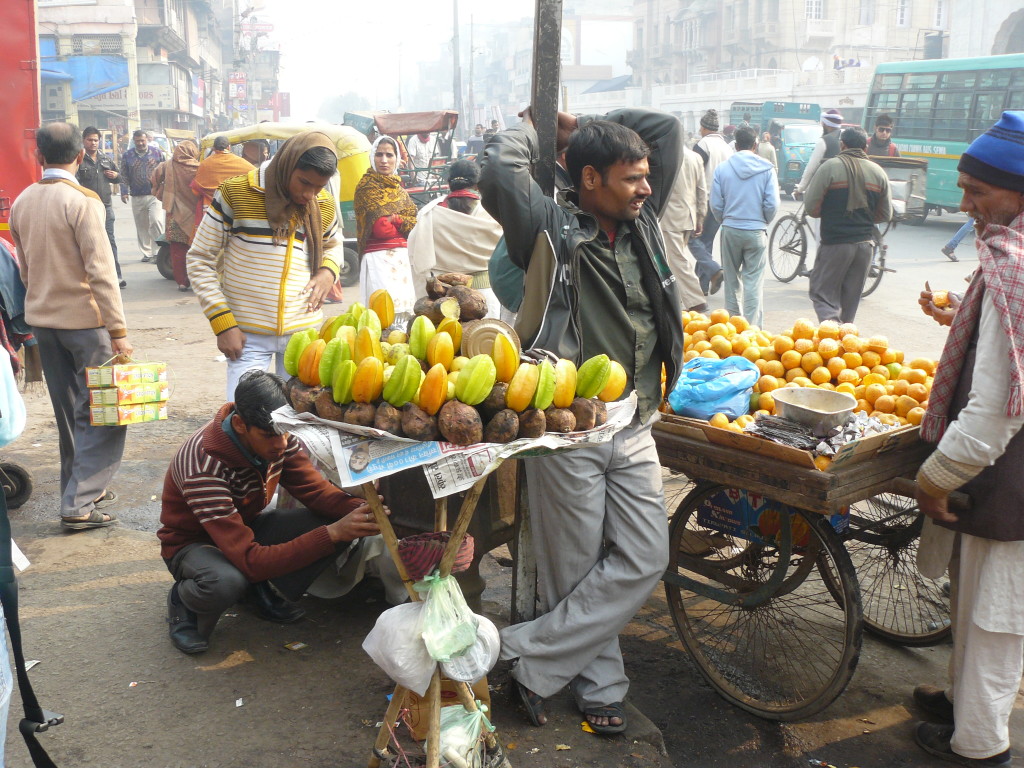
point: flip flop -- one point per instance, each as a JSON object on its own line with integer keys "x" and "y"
{"x": 531, "y": 703}
{"x": 609, "y": 711}
{"x": 104, "y": 501}
{"x": 94, "y": 520}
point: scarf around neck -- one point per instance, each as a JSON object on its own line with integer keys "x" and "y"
{"x": 857, "y": 193}
{"x": 378, "y": 195}
{"x": 283, "y": 215}
{"x": 1001, "y": 256}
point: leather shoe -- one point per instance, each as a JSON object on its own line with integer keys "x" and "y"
{"x": 184, "y": 629}
{"x": 271, "y": 606}
{"x": 716, "y": 282}
{"x": 933, "y": 701}
{"x": 934, "y": 739}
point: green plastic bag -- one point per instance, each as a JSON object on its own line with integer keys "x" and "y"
{"x": 449, "y": 627}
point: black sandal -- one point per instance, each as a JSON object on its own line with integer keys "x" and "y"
{"x": 531, "y": 703}
{"x": 96, "y": 519}
{"x": 609, "y": 711}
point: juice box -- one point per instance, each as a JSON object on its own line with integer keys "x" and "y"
{"x": 125, "y": 375}
{"x": 120, "y": 415}
{"x": 149, "y": 392}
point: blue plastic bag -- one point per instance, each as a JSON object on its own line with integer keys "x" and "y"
{"x": 706, "y": 387}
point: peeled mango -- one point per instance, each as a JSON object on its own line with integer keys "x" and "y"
{"x": 475, "y": 380}
{"x": 369, "y": 380}
{"x": 565, "y": 383}
{"x": 545, "y": 392}
{"x": 404, "y": 381}
{"x": 593, "y": 376}
{"x": 294, "y": 349}
{"x": 420, "y": 335}
{"x": 523, "y": 385}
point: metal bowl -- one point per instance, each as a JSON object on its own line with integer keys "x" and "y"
{"x": 820, "y": 409}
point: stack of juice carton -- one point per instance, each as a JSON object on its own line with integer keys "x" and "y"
{"x": 127, "y": 393}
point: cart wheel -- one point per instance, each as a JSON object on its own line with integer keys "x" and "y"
{"x": 875, "y": 272}
{"x": 17, "y": 483}
{"x": 792, "y": 655}
{"x": 900, "y": 605}
{"x": 349, "y": 274}
{"x": 787, "y": 248}
{"x": 163, "y": 261}
{"x": 917, "y": 219}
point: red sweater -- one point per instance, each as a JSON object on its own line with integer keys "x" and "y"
{"x": 212, "y": 493}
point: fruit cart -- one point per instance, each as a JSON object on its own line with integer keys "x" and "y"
{"x": 762, "y": 586}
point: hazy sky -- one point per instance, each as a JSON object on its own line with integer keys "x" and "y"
{"x": 332, "y": 47}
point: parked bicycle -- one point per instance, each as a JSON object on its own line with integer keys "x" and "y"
{"x": 788, "y": 248}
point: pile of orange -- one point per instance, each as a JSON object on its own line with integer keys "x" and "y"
{"x": 826, "y": 355}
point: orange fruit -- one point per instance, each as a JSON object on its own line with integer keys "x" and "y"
{"x": 699, "y": 324}
{"x": 905, "y": 404}
{"x": 782, "y": 344}
{"x": 761, "y": 412}
{"x": 719, "y": 316}
{"x": 821, "y": 375}
{"x": 888, "y": 356}
{"x": 874, "y": 391}
{"x": 900, "y": 387}
{"x": 871, "y": 359}
{"x": 851, "y": 343}
{"x": 894, "y": 370}
{"x": 862, "y": 405}
{"x": 926, "y": 365}
{"x": 828, "y": 330}
{"x": 914, "y": 415}
{"x": 739, "y": 323}
{"x": 739, "y": 343}
{"x": 710, "y": 354}
{"x": 721, "y": 346}
{"x": 885, "y": 404}
{"x": 846, "y": 376}
{"x": 803, "y": 329}
{"x": 767, "y": 353}
{"x": 858, "y": 391}
{"x": 792, "y": 384}
{"x": 689, "y": 354}
{"x": 720, "y": 329}
{"x": 766, "y": 402}
{"x": 862, "y": 370}
{"x": 752, "y": 353}
{"x": 828, "y": 348}
{"x": 766, "y": 384}
{"x": 719, "y": 420}
{"x": 699, "y": 336}
{"x": 846, "y": 387}
{"x": 822, "y": 462}
{"x": 803, "y": 345}
{"x": 848, "y": 329}
{"x": 914, "y": 375}
{"x": 744, "y": 420}
{"x": 835, "y": 365}
{"x": 810, "y": 361}
{"x": 882, "y": 371}
{"x": 873, "y": 378}
{"x": 793, "y": 373}
{"x": 791, "y": 359}
{"x": 774, "y": 368}
{"x": 734, "y": 427}
{"x": 827, "y": 385}
{"x": 852, "y": 359}
{"x": 878, "y": 344}
{"x": 700, "y": 346}
{"x": 918, "y": 391}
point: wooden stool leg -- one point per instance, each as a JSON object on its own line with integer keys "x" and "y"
{"x": 434, "y": 715}
{"x": 441, "y": 514}
{"x": 384, "y": 735}
{"x": 467, "y": 700}
{"x": 388, "y": 533}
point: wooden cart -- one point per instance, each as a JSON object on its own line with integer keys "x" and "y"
{"x": 777, "y": 566}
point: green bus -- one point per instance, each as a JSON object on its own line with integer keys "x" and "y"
{"x": 939, "y": 106}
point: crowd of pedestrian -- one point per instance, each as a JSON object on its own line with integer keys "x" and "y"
{"x": 613, "y": 257}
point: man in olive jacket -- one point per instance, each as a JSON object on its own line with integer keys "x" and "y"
{"x": 597, "y": 281}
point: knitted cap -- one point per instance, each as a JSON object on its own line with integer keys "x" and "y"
{"x": 997, "y": 156}
{"x": 832, "y": 118}
{"x": 710, "y": 120}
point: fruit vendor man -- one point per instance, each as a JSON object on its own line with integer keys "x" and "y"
{"x": 222, "y": 544}
{"x": 597, "y": 281}
{"x": 975, "y": 414}
{"x": 266, "y": 254}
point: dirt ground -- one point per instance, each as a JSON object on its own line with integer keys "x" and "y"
{"x": 93, "y": 608}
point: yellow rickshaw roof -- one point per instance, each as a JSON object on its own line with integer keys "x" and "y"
{"x": 347, "y": 140}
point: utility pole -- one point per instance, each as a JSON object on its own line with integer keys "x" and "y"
{"x": 470, "y": 106}
{"x": 547, "y": 47}
{"x": 457, "y": 67}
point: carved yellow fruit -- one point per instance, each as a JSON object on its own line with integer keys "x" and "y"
{"x": 506, "y": 358}
{"x": 434, "y": 389}
{"x": 523, "y": 385}
{"x": 441, "y": 350}
{"x": 382, "y": 303}
{"x": 616, "y": 383}
{"x": 565, "y": 384}
{"x": 367, "y": 345}
{"x": 475, "y": 380}
{"x": 369, "y": 380}
{"x": 453, "y": 328}
{"x": 593, "y": 376}
{"x": 420, "y": 335}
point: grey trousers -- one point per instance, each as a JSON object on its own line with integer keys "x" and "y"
{"x": 838, "y": 279}
{"x": 89, "y": 456}
{"x": 209, "y": 584}
{"x": 149, "y": 222}
{"x": 111, "y": 238}
{"x": 684, "y": 266}
{"x": 600, "y": 534}
{"x": 744, "y": 258}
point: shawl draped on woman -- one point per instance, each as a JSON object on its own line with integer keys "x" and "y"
{"x": 285, "y": 216}
{"x": 172, "y": 183}
{"x": 380, "y": 195}
{"x": 216, "y": 169}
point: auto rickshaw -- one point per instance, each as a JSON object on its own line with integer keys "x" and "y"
{"x": 422, "y": 183}
{"x": 908, "y": 185}
{"x": 353, "y": 161}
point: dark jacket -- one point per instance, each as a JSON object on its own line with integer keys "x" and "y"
{"x": 90, "y": 175}
{"x": 549, "y": 239}
{"x": 828, "y": 192}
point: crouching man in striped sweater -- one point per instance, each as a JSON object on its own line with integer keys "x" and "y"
{"x": 218, "y": 539}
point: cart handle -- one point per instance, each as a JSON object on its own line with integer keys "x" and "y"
{"x": 906, "y": 486}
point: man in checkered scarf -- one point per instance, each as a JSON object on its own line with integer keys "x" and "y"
{"x": 975, "y": 414}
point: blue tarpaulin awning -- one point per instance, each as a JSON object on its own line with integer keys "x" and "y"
{"x": 89, "y": 75}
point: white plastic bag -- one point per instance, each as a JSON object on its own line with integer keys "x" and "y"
{"x": 12, "y": 407}
{"x": 479, "y": 658}
{"x": 449, "y": 627}
{"x": 460, "y": 742}
{"x": 396, "y": 646}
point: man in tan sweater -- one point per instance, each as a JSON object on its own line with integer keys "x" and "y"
{"x": 74, "y": 306}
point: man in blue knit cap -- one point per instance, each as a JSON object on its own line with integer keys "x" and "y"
{"x": 975, "y": 414}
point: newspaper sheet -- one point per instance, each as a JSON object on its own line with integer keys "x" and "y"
{"x": 351, "y": 455}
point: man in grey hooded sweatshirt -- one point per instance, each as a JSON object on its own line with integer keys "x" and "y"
{"x": 744, "y": 197}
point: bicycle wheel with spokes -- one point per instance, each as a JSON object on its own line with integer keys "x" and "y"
{"x": 787, "y": 248}
{"x": 900, "y": 605}
{"x": 783, "y": 657}
{"x": 875, "y": 272}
